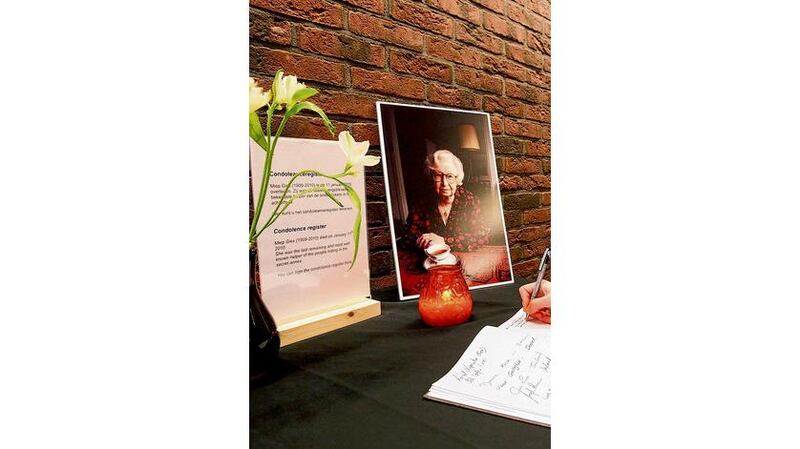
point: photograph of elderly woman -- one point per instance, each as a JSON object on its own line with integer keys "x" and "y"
{"x": 444, "y": 196}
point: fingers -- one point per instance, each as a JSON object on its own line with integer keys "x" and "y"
{"x": 542, "y": 315}
{"x": 544, "y": 289}
{"x": 537, "y": 304}
{"x": 525, "y": 294}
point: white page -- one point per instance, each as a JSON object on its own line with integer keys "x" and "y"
{"x": 520, "y": 321}
{"x": 503, "y": 371}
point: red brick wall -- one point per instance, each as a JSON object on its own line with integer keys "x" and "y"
{"x": 490, "y": 55}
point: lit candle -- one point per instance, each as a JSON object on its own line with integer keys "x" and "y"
{"x": 445, "y": 299}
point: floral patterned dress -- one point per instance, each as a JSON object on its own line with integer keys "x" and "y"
{"x": 464, "y": 230}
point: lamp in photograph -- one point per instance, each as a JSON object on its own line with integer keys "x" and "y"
{"x": 469, "y": 145}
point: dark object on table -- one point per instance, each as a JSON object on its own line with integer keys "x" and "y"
{"x": 264, "y": 339}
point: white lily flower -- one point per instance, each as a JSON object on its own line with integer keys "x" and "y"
{"x": 286, "y": 87}
{"x": 257, "y": 96}
{"x": 356, "y": 152}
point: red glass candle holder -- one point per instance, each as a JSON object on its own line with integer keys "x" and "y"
{"x": 445, "y": 299}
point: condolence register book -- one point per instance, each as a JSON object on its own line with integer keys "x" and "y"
{"x": 505, "y": 371}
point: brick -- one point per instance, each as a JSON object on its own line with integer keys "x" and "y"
{"x": 366, "y": 131}
{"x": 387, "y": 83}
{"x": 497, "y": 124}
{"x": 379, "y": 237}
{"x": 422, "y": 17}
{"x": 508, "y": 145}
{"x": 541, "y": 79}
{"x": 385, "y": 31}
{"x": 376, "y": 213}
{"x": 513, "y": 218}
{"x": 402, "y": 61}
{"x": 338, "y": 45}
{"x": 386, "y": 283}
{"x": 453, "y": 51}
{"x": 458, "y": 8}
{"x": 517, "y": 13}
{"x": 527, "y": 92}
{"x": 494, "y": 5}
{"x": 519, "y": 165}
{"x": 546, "y": 166}
{"x": 536, "y": 216}
{"x": 473, "y": 35}
{"x": 372, "y": 5}
{"x": 532, "y": 234}
{"x": 307, "y": 127}
{"x": 266, "y": 28}
{"x": 380, "y": 263}
{"x": 319, "y": 11}
{"x": 373, "y": 186}
{"x": 527, "y": 57}
{"x": 546, "y": 199}
{"x": 536, "y": 248}
{"x": 346, "y": 103}
{"x": 504, "y": 105}
{"x": 539, "y": 42}
{"x": 495, "y": 64}
{"x": 538, "y": 112}
{"x": 538, "y": 23}
{"x": 526, "y": 269}
{"x": 516, "y": 253}
{"x": 541, "y": 7}
{"x": 453, "y": 96}
{"x": 509, "y": 183}
{"x": 526, "y": 128}
{"x": 521, "y": 200}
{"x": 537, "y": 149}
{"x": 267, "y": 61}
{"x": 504, "y": 27}
{"x": 479, "y": 80}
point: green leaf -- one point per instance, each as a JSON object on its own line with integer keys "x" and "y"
{"x": 281, "y": 207}
{"x": 256, "y": 132}
{"x": 303, "y": 94}
{"x": 275, "y": 83}
{"x": 357, "y": 224}
{"x": 330, "y": 195}
{"x": 312, "y": 107}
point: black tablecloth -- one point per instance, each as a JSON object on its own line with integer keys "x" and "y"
{"x": 362, "y": 386}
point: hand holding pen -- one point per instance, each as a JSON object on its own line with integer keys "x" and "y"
{"x": 538, "y": 307}
{"x": 536, "y": 295}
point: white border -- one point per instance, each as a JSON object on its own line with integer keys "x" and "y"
{"x": 389, "y": 198}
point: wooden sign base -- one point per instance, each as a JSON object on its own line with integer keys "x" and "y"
{"x": 301, "y": 328}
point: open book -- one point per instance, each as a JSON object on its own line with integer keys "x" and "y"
{"x": 504, "y": 371}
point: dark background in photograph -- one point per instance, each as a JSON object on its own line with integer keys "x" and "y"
{"x": 420, "y": 132}
{"x": 491, "y": 56}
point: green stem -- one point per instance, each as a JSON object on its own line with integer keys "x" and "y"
{"x": 289, "y": 203}
{"x": 264, "y": 144}
{"x": 275, "y": 212}
{"x": 267, "y": 168}
{"x": 286, "y": 189}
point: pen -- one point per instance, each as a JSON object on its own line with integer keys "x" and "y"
{"x": 542, "y": 268}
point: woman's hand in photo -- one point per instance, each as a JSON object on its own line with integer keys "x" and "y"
{"x": 538, "y": 306}
{"x": 426, "y": 239}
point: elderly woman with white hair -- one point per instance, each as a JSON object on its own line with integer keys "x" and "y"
{"x": 452, "y": 215}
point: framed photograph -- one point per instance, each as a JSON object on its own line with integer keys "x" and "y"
{"x": 443, "y": 195}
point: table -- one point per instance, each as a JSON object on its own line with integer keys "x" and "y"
{"x": 487, "y": 265}
{"x": 362, "y": 386}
